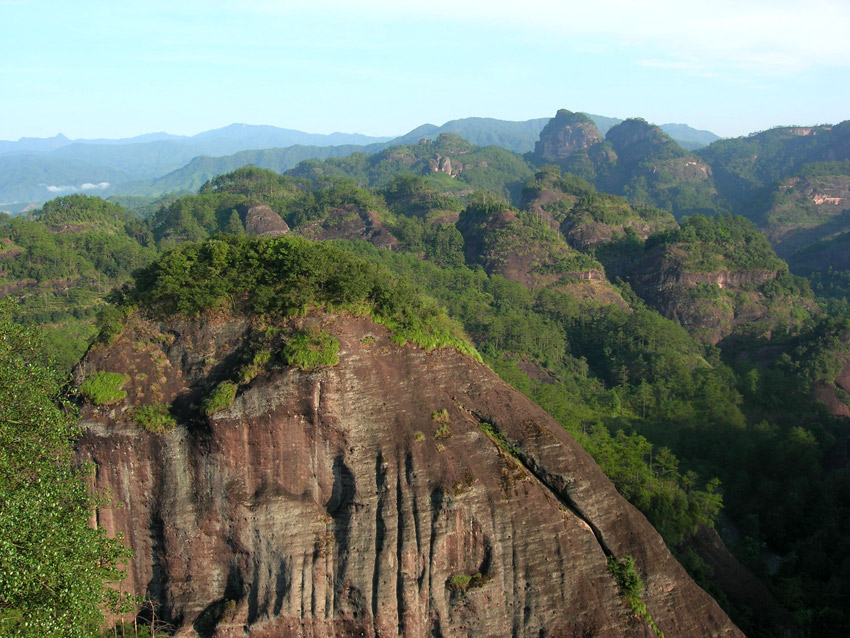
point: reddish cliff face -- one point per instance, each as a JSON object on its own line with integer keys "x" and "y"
{"x": 565, "y": 134}
{"x": 365, "y": 498}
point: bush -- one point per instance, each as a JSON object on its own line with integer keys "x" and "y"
{"x": 311, "y": 348}
{"x": 461, "y": 583}
{"x": 631, "y": 586}
{"x": 442, "y": 419}
{"x": 154, "y": 418}
{"x": 220, "y": 398}
{"x": 104, "y": 388}
{"x": 254, "y": 366}
{"x": 288, "y": 276}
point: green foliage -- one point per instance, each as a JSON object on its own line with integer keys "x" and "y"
{"x": 54, "y": 565}
{"x": 287, "y": 276}
{"x": 311, "y": 348}
{"x": 441, "y": 416}
{"x": 745, "y": 167}
{"x": 499, "y": 439}
{"x": 104, "y": 388}
{"x": 504, "y": 235}
{"x": 154, "y": 418}
{"x": 60, "y": 265}
{"x": 462, "y": 583}
{"x": 631, "y": 586}
{"x": 442, "y": 419}
{"x": 415, "y": 196}
{"x": 82, "y": 209}
{"x": 475, "y": 168}
{"x": 221, "y": 397}
{"x": 709, "y": 244}
{"x": 251, "y": 369}
{"x": 109, "y": 323}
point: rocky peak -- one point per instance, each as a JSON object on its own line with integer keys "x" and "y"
{"x": 566, "y": 133}
{"x": 635, "y": 138}
{"x": 399, "y": 492}
{"x": 440, "y": 164}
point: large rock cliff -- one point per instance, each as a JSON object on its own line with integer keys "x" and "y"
{"x": 399, "y": 493}
{"x": 565, "y": 134}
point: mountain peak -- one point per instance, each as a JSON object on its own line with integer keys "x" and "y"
{"x": 565, "y": 134}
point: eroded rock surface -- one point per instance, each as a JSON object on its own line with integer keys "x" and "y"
{"x": 261, "y": 220}
{"x": 365, "y": 498}
{"x": 565, "y": 134}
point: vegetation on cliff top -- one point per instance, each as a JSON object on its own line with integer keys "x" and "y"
{"x": 724, "y": 242}
{"x": 290, "y": 275}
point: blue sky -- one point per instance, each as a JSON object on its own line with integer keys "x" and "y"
{"x": 108, "y": 69}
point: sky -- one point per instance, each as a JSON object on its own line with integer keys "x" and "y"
{"x": 92, "y": 69}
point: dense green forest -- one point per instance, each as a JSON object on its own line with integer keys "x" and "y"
{"x": 690, "y": 429}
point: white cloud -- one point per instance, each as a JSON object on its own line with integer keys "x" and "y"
{"x": 60, "y": 189}
{"x": 87, "y": 186}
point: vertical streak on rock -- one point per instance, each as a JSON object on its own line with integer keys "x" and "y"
{"x": 400, "y": 531}
{"x": 307, "y": 586}
{"x": 380, "y": 529}
{"x": 519, "y": 593}
{"x": 408, "y": 478}
{"x": 437, "y": 499}
{"x": 330, "y": 578}
{"x": 283, "y": 584}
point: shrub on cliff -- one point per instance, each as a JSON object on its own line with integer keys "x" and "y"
{"x": 311, "y": 348}
{"x": 220, "y": 398}
{"x": 104, "y": 388}
{"x": 155, "y": 418}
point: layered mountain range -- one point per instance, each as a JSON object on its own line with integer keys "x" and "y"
{"x": 35, "y": 170}
{"x": 306, "y": 444}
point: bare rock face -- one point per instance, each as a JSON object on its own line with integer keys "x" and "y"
{"x": 566, "y": 133}
{"x": 399, "y": 493}
{"x": 351, "y": 222}
{"x": 261, "y": 220}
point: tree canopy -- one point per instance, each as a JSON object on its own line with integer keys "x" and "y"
{"x": 54, "y": 566}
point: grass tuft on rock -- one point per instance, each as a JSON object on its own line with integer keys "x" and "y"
{"x": 220, "y": 398}
{"x": 154, "y": 418}
{"x": 311, "y": 348}
{"x": 104, "y": 388}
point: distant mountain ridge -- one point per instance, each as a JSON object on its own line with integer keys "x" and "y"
{"x": 232, "y": 135}
{"x": 37, "y": 169}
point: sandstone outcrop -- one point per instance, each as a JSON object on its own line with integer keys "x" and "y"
{"x": 398, "y": 493}
{"x": 565, "y": 134}
{"x": 261, "y": 220}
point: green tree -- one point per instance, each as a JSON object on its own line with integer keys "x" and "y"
{"x": 54, "y": 566}
{"x": 234, "y": 224}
